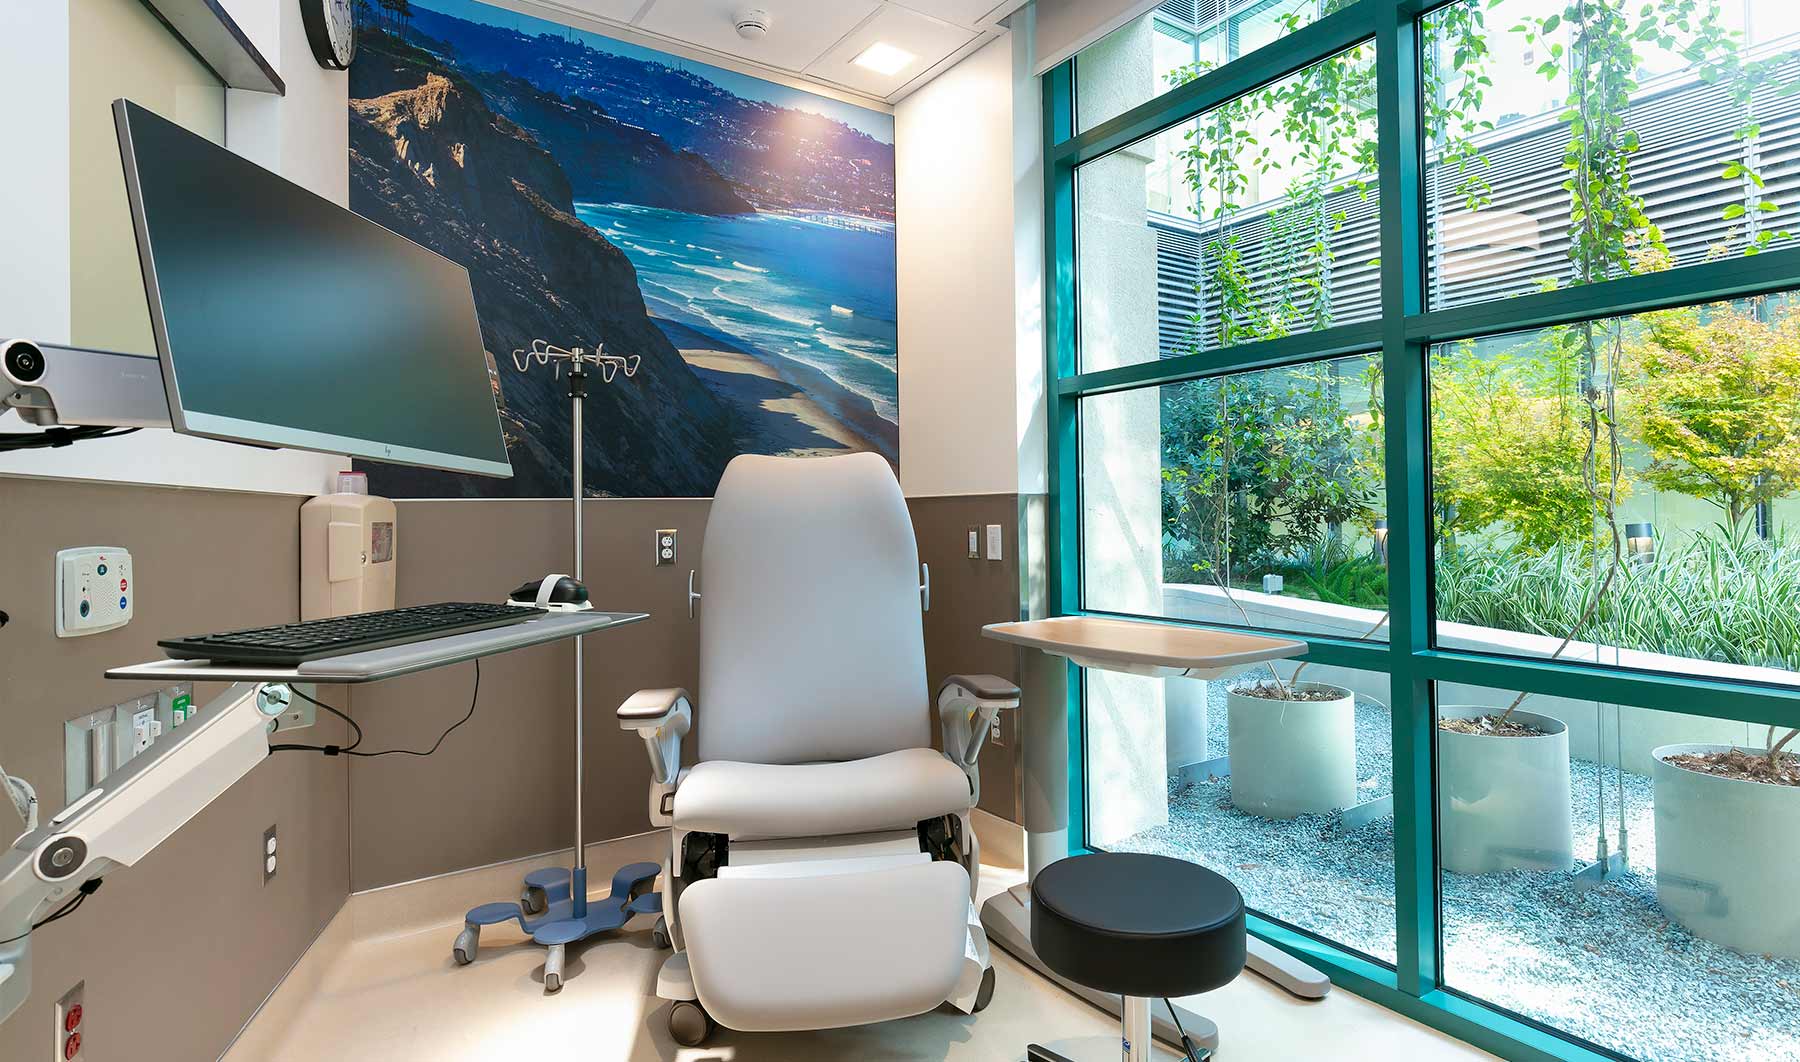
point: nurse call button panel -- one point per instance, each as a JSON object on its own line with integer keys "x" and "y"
{"x": 95, "y": 590}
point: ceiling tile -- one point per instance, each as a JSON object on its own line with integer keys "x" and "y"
{"x": 799, "y": 30}
{"x": 927, "y": 38}
{"x": 611, "y": 10}
{"x": 961, "y": 12}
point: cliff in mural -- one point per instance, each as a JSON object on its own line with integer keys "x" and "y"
{"x": 435, "y": 164}
{"x": 742, "y": 245}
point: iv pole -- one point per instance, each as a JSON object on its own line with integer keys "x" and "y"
{"x": 609, "y": 365}
{"x": 558, "y": 895}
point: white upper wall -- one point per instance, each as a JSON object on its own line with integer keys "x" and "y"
{"x": 969, "y": 244}
{"x": 70, "y": 275}
{"x": 969, "y": 248}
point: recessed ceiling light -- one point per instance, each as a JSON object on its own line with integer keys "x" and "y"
{"x": 884, "y": 58}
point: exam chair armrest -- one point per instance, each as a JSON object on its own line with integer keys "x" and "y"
{"x": 982, "y": 688}
{"x": 662, "y": 718}
{"x": 967, "y": 708}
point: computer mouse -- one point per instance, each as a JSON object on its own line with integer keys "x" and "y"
{"x": 564, "y": 591}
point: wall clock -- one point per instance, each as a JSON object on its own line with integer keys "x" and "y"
{"x": 331, "y": 30}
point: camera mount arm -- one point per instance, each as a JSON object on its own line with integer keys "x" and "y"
{"x": 54, "y": 385}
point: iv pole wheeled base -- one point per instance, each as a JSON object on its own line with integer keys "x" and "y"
{"x": 548, "y": 911}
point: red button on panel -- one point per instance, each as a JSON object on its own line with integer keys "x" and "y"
{"x": 121, "y": 586}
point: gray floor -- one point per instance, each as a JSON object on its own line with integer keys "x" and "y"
{"x": 1602, "y": 963}
{"x": 397, "y": 997}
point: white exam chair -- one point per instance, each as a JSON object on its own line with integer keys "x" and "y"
{"x": 822, "y": 863}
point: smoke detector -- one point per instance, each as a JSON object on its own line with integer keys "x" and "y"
{"x": 752, "y": 23}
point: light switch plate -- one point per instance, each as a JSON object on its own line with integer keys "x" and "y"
{"x": 974, "y": 542}
{"x": 95, "y": 590}
{"x": 994, "y": 551}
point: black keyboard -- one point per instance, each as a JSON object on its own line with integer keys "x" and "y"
{"x": 292, "y": 643}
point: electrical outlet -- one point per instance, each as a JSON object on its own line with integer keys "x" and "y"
{"x": 144, "y": 729}
{"x": 665, "y": 547}
{"x": 994, "y": 731}
{"x": 268, "y": 854}
{"x": 71, "y": 1024}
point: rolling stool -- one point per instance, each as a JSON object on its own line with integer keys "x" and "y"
{"x": 1141, "y": 927}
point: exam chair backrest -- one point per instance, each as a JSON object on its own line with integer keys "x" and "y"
{"x": 812, "y": 645}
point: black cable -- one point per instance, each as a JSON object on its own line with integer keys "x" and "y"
{"x": 88, "y": 888}
{"x": 51, "y": 438}
{"x": 350, "y": 750}
{"x": 1187, "y": 1045}
{"x": 329, "y": 750}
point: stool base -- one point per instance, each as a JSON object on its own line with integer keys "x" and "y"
{"x": 1007, "y": 918}
{"x": 1098, "y": 1049}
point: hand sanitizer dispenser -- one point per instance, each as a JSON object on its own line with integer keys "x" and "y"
{"x": 347, "y": 551}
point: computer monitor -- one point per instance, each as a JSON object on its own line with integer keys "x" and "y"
{"x": 283, "y": 319}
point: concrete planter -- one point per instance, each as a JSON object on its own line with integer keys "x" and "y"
{"x": 1726, "y": 864}
{"x": 1503, "y": 802}
{"x": 1292, "y": 758}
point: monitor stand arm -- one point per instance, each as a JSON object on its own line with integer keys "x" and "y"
{"x": 52, "y": 385}
{"x": 131, "y": 812}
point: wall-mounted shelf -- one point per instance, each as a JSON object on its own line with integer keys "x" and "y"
{"x": 392, "y": 662}
{"x": 217, "y": 40}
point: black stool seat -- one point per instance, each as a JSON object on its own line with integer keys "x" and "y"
{"x": 1138, "y": 925}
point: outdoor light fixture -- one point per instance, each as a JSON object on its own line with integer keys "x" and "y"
{"x": 1640, "y": 542}
{"x": 1381, "y": 532}
{"x": 884, "y": 58}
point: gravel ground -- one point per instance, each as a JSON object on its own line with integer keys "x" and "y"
{"x": 1600, "y": 963}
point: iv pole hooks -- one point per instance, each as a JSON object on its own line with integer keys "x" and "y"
{"x": 542, "y": 353}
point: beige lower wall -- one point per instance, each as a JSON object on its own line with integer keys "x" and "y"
{"x": 179, "y": 950}
{"x": 501, "y": 788}
{"x": 194, "y": 916}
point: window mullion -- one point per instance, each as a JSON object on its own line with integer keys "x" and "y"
{"x": 1400, "y": 157}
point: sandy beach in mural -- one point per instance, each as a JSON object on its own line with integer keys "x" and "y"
{"x": 771, "y": 416}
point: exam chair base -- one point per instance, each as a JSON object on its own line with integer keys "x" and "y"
{"x": 1007, "y": 918}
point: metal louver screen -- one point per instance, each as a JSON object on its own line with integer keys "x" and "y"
{"x": 1509, "y": 246}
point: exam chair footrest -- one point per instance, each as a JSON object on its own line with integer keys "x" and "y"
{"x": 877, "y": 945}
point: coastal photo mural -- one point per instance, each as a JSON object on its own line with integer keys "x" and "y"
{"x": 736, "y": 234}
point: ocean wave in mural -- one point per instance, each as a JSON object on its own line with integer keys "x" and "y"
{"x": 736, "y": 234}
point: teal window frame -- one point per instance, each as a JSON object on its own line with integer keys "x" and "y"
{"x": 1401, "y": 335}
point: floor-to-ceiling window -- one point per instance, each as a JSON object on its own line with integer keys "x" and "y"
{"x": 1459, "y": 341}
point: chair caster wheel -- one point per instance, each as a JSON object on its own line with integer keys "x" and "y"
{"x": 533, "y": 901}
{"x": 689, "y": 1023}
{"x": 553, "y": 969}
{"x": 984, "y": 994}
{"x": 467, "y": 942}
{"x": 659, "y": 935}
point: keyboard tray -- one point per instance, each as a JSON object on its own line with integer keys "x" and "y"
{"x": 373, "y": 665}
